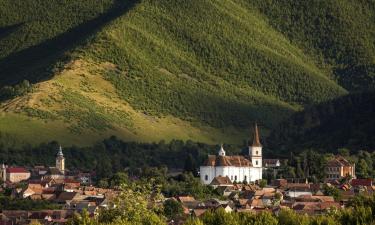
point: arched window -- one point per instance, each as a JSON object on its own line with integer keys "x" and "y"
{"x": 256, "y": 162}
{"x": 245, "y": 178}
{"x": 235, "y": 177}
{"x": 206, "y": 177}
{"x": 256, "y": 153}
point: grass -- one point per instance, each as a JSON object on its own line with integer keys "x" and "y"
{"x": 60, "y": 109}
{"x": 199, "y": 69}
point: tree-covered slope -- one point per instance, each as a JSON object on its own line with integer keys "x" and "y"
{"x": 339, "y": 34}
{"x": 34, "y": 34}
{"x": 346, "y": 122}
{"x": 150, "y": 70}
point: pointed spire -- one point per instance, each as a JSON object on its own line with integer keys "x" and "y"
{"x": 256, "y": 141}
{"x": 60, "y": 153}
{"x": 222, "y": 151}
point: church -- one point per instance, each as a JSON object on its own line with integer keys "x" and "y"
{"x": 237, "y": 167}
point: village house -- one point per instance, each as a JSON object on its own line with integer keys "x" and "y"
{"x": 238, "y": 168}
{"x": 14, "y": 174}
{"x": 271, "y": 163}
{"x": 339, "y": 167}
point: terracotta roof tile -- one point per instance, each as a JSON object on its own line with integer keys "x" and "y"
{"x": 236, "y": 160}
{"x": 361, "y": 182}
{"x": 221, "y": 181}
{"x": 17, "y": 170}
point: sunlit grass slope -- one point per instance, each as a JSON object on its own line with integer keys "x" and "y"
{"x": 199, "y": 69}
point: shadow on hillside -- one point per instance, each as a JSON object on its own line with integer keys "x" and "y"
{"x": 35, "y": 63}
{"x": 4, "y": 31}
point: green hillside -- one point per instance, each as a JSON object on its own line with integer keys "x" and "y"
{"x": 338, "y": 34}
{"x": 151, "y": 70}
{"x": 346, "y": 122}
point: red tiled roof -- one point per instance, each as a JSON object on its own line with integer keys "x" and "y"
{"x": 71, "y": 181}
{"x": 186, "y": 198}
{"x": 235, "y": 160}
{"x": 17, "y": 170}
{"x": 338, "y": 161}
{"x": 221, "y": 181}
{"x": 361, "y": 182}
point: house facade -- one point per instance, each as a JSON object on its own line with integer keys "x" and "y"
{"x": 237, "y": 168}
{"x": 17, "y": 174}
{"x": 339, "y": 167}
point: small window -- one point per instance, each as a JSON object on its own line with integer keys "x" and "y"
{"x": 256, "y": 153}
{"x": 231, "y": 177}
{"x": 206, "y": 177}
{"x": 245, "y": 178}
{"x": 235, "y": 177}
{"x": 256, "y": 162}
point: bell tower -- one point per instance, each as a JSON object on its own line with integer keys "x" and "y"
{"x": 255, "y": 149}
{"x": 3, "y": 172}
{"x": 60, "y": 161}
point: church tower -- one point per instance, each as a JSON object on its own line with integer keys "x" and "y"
{"x": 3, "y": 172}
{"x": 60, "y": 161}
{"x": 255, "y": 149}
{"x": 221, "y": 151}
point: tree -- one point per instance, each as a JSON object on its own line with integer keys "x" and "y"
{"x": 134, "y": 204}
{"x": 332, "y": 191}
{"x": 172, "y": 209}
{"x": 118, "y": 179}
{"x": 262, "y": 183}
{"x": 81, "y": 219}
{"x": 193, "y": 221}
{"x": 363, "y": 169}
{"x": 344, "y": 152}
{"x": 191, "y": 165}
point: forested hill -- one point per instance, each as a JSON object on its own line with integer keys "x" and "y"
{"x": 151, "y": 70}
{"x": 346, "y": 122}
{"x": 338, "y": 34}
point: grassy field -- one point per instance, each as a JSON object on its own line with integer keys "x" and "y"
{"x": 77, "y": 107}
{"x": 151, "y": 70}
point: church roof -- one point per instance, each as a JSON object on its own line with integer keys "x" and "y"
{"x": 235, "y": 160}
{"x": 221, "y": 181}
{"x": 60, "y": 153}
{"x": 338, "y": 161}
{"x": 54, "y": 171}
{"x": 256, "y": 140}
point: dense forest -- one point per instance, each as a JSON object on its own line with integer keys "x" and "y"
{"x": 152, "y": 70}
{"x": 344, "y": 122}
{"x": 338, "y": 34}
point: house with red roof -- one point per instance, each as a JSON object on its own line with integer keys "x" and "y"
{"x": 361, "y": 182}
{"x": 339, "y": 167}
{"x": 17, "y": 174}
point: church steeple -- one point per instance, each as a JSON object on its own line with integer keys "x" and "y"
{"x": 255, "y": 149}
{"x": 60, "y": 153}
{"x": 256, "y": 141}
{"x": 221, "y": 151}
{"x": 60, "y": 160}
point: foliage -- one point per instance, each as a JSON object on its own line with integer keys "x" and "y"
{"x": 35, "y": 34}
{"x": 332, "y": 191}
{"x": 8, "y": 203}
{"x": 8, "y": 92}
{"x": 262, "y": 183}
{"x": 264, "y": 61}
{"x": 172, "y": 209}
{"x": 337, "y": 34}
{"x": 346, "y": 122}
{"x": 210, "y": 81}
